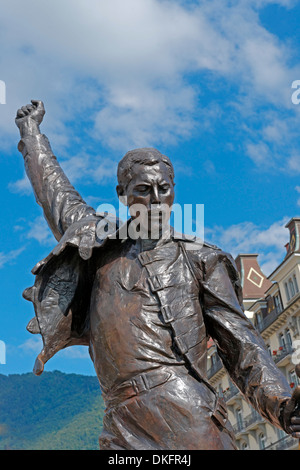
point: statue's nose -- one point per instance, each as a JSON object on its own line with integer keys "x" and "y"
{"x": 155, "y": 199}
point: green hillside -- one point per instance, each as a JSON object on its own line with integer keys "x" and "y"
{"x": 55, "y": 411}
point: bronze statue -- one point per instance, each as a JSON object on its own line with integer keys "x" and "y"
{"x": 145, "y": 307}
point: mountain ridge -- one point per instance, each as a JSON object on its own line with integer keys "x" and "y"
{"x": 56, "y": 411}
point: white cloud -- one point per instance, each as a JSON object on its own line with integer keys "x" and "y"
{"x": 76, "y": 352}
{"x": 294, "y": 163}
{"x": 21, "y": 186}
{"x": 274, "y": 142}
{"x": 246, "y": 237}
{"x": 32, "y": 345}
{"x": 39, "y": 230}
{"x": 10, "y": 257}
{"x": 96, "y": 169}
{"x": 261, "y": 154}
{"x": 128, "y": 61}
{"x": 275, "y": 129}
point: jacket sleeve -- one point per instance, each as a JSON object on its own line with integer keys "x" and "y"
{"x": 60, "y": 296}
{"x": 239, "y": 345}
{"x": 61, "y": 203}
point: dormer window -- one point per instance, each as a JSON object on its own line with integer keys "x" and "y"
{"x": 291, "y": 287}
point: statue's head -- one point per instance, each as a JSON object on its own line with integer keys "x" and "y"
{"x": 146, "y": 177}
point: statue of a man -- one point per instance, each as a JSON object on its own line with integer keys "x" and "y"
{"x": 145, "y": 307}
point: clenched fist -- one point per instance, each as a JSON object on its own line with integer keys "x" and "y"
{"x": 291, "y": 412}
{"x": 29, "y": 118}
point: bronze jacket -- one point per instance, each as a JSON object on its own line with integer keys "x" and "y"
{"x": 199, "y": 292}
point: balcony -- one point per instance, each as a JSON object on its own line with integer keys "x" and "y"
{"x": 247, "y": 422}
{"x": 214, "y": 368}
{"x": 283, "y": 444}
{"x": 282, "y": 352}
{"x": 253, "y": 418}
{"x": 269, "y": 319}
{"x": 230, "y": 392}
{"x": 238, "y": 427}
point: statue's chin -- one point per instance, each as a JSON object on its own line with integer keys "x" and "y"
{"x": 156, "y": 228}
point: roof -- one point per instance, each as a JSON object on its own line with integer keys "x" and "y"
{"x": 253, "y": 280}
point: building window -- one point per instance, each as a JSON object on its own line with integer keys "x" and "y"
{"x": 282, "y": 340}
{"x": 287, "y": 293}
{"x": 244, "y": 446}
{"x": 288, "y": 337}
{"x": 294, "y": 379}
{"x": 291, "y": 287}
{"x": 259, "y": 319}
{"x": 295, "y": 283}
{"x": 262, "y": 441}
{"x": 277, "y": 303}
{"x": 239, "y": 419}
{"x": 213, "y": 359}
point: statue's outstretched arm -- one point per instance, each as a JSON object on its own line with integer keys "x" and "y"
{"x": 240, "y": 346}
{"x": 61, "y": 203}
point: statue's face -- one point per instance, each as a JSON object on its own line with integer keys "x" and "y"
{"x": 152, "y": 187}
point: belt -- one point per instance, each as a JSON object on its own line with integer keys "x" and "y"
{"x": 138, "y": 384}
{"x": 145, "y": 381}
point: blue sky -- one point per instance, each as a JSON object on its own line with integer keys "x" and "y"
{"x": 208, "y": 83}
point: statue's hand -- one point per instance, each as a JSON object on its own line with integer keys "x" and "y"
{"x": 29, "y": 118}
{"x": 291, "y": 414}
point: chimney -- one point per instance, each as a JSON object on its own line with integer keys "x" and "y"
{"x": 294, "y": 244}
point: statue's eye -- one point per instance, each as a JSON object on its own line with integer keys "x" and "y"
{"x": 142, "y": 188}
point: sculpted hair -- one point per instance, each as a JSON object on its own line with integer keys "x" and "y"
{"x": 143, "y": 156}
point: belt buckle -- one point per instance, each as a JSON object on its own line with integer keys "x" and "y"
{"x": 140, "y": 384}
{"x": 145, "y": 382}
{"x": 135, "y": 386}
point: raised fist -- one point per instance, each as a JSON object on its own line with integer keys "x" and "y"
{"x": 291, "y": 411}
{"x": 29, "y": 118}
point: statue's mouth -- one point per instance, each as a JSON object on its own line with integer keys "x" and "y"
{"x": 155, "y": 214}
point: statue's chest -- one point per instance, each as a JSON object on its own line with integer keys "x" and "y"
{"x": 162, "y": 277}
{"x": 124, "y": 275}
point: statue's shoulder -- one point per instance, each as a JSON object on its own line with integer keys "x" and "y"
{"x": 204, "y": 255}
{"x": 195, "y": 244}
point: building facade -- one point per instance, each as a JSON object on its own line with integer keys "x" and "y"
{"x": 273, "y": 305}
